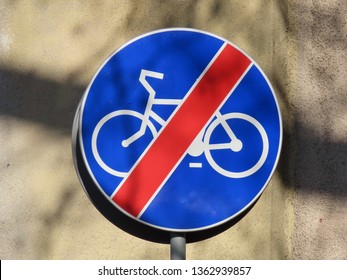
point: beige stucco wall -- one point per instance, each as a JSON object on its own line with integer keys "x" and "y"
{"x": 49, "y": 50}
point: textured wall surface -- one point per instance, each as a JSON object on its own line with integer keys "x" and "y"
{"x": 320, "y": 109}
{"x": 49, "y": 50}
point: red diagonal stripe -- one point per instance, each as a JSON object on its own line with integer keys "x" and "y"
{"x": 203, "y": 101}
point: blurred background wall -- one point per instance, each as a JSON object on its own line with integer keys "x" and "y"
{"x": 49, "y": 51}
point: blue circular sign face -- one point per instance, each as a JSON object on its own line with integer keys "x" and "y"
{"x": 180, "y": 130}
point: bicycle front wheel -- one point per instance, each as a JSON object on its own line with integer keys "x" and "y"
{"x": 243, "y": 162}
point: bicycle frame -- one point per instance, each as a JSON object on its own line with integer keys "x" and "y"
{"x": 151, "y": 101}
{"x": 235, "y": 144}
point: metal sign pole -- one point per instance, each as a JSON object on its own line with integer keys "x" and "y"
{"x": 177, "y": 246}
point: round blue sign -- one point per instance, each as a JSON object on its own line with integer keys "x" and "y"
{"x": 180, "y": 130}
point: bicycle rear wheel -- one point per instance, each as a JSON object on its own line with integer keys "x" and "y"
{"x": 243, "y": 163}
{"x": 111, "y": 130}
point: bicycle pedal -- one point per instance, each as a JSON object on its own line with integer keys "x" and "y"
{"x": 195, "y": 165}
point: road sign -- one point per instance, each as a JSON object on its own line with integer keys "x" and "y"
{"x": 180, "y": 130}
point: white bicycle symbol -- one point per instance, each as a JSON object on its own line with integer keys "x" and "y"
{"x": 201, "y": 144}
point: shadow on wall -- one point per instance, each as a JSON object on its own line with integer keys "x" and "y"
{"x": 313, "y": 159}
{"x": 39, "y": 100}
